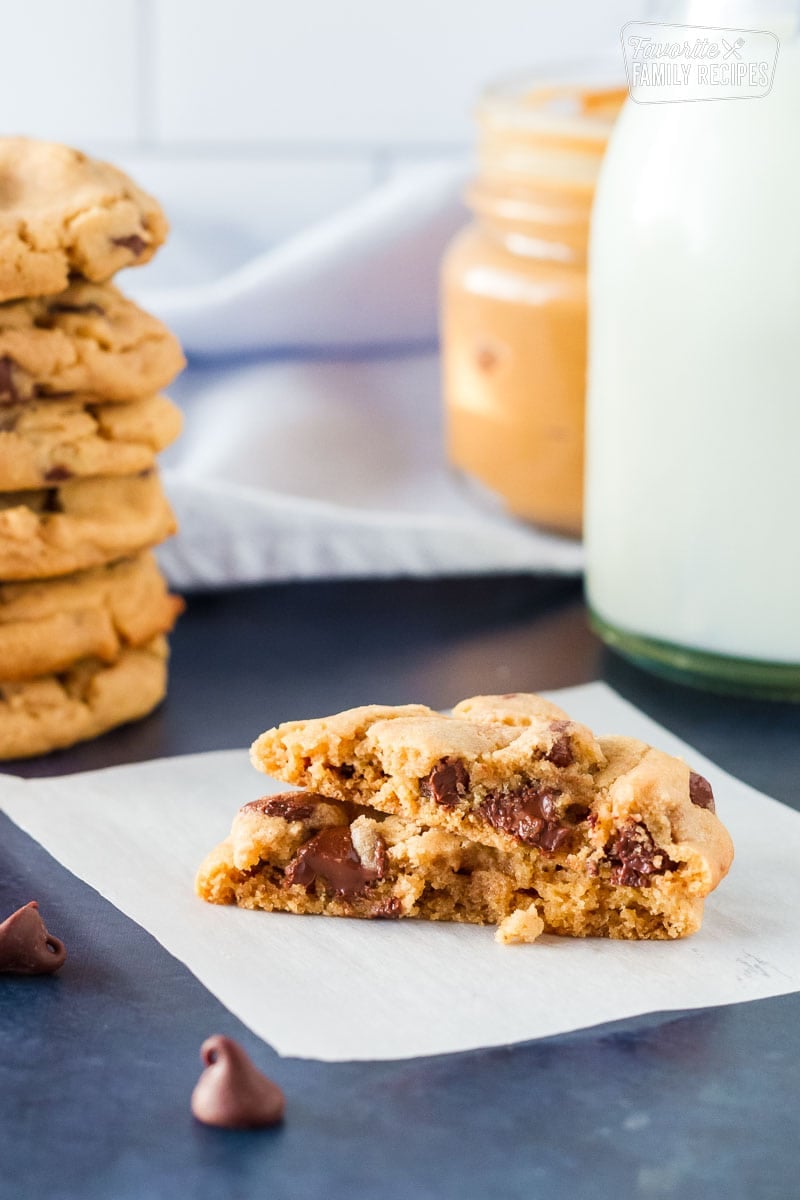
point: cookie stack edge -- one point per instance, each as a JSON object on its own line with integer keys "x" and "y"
{"x": 84, "y": 609}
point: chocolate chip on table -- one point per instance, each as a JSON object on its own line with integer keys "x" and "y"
{"x": 331, "y": 856}
{"x": 292, "y": 806}
{"x": 447, "y": 783}
{"x": 701, "y": 792}
{"x": 531, "y": 816}
{"x": 133, "y": 242}
{"x": 635, "y": 858}
{"x": 8, "y": 389}
{"x": 232, "y": 1093}
{"x": 26, "y": 948}
{"x": 560, "y": 753}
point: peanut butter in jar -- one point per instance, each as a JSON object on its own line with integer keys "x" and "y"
{"x": 514, "y": 299}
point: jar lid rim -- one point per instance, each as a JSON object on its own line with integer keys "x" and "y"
{"x": 581, "y": 98}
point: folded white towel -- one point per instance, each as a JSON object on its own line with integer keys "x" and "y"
{"x": 364, "y": 278}
{"x": 313, "y": 443}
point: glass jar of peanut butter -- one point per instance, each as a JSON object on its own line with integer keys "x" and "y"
{"x": 514, "y": 295}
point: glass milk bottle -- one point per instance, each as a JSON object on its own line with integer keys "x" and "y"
{"x": 693, "y": 430}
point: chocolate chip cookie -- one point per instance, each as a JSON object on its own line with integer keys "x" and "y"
{"x": 47, "y": 626}
{"x": 298, "y": 852}
{"x": 91, "y": 697}
{"x": 88, "y": 338}
{"x": 63, "y": 213}
{"x": 81, "y": 523}
{"x": 620, "y": 839}
{"x": 43, "y": 442}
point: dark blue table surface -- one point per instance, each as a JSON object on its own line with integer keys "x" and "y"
{"x": 98, "y": 1062}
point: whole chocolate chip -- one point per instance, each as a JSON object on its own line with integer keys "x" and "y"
{"x": 292, "y": 806}
{"x": 635, "y": 858}
{"x": 26, "y": 948}
{"x": 133, "y": 242}
{"x": 530, "y": 815}
{"x": 560, "y": 753}
{"x": 331, "y": 856}
{"x": 81, "y": 309}
{"x": 8, "y": 388}
{"x": 58, "y": 474}
{"x": 232, "y": 1093}
{"x": 447, "y": 783}
{"x": 701, "y": 792}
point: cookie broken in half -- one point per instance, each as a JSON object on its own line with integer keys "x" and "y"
{"x": 506, "y": 813}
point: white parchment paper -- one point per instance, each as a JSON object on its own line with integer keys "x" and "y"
{"x": 336, "y": 990}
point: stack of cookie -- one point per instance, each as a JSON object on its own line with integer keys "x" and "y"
{"x": 83, "y": 606}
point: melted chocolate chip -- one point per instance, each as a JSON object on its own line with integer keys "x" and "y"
{"x": 26, "y": 948}
{"x": 531, "y": 816}
{"x": 292, "y": 806}
{"x": 575, "y": 813}
{"x": 82, "y": 309}
{"x": 701, "y": 792}
{"x": 232, "y": 1093}
{"x": 635, "y": 858}
{"x": 52, "y": 501}
{"x": 388, "y": 910}
{"x": 58, "y": 474}
{"x": 8, "y": 389}
{"x": 133, "y": 242}
{"x": 560, "y": 753}
{"x": 332, "y": 857}
{"x": 447, "y": 783}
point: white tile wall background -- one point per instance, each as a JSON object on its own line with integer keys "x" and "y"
{"x": 287, "y": 110}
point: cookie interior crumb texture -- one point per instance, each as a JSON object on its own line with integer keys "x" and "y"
{"x": 552, "y": 829}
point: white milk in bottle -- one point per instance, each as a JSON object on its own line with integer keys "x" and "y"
{"x": 693, "y": 485}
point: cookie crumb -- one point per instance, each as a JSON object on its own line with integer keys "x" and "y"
{"x": 523, "y": 925}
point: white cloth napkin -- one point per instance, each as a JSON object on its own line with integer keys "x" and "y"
{"x": 313, "y": 443}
